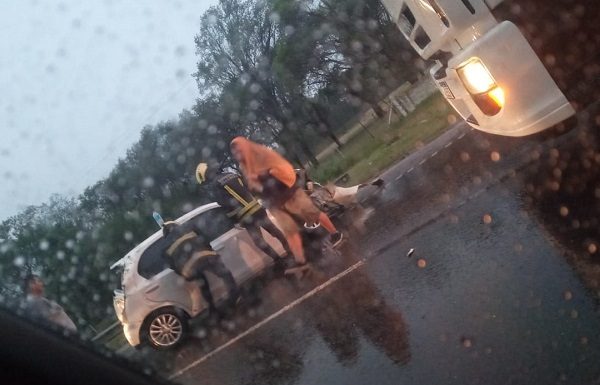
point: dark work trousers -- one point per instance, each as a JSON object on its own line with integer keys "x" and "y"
{"x": 214, "y": 265}
{"x": 253, "y": 224}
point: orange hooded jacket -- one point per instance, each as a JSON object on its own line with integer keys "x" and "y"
{"x": 257, "y": 160}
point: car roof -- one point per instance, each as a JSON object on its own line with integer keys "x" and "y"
{"x": 152, "y": 238}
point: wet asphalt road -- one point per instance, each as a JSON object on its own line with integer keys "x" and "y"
{"x": 500, "y": 289}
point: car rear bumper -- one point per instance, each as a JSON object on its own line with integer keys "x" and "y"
{"x": 132, "y": 334}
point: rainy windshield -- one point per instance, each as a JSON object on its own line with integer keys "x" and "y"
{"x": 302, "y": 192}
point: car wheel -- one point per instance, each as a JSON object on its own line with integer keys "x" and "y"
{"x": 166, "y": 328}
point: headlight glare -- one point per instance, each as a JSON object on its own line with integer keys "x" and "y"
{"x": 476, "y": 77}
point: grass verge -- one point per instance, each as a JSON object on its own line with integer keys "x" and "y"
{"x": 372, "y": 151}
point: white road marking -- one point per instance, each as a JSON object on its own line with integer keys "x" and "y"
{"x": 262, "y": 323}
{"x": 399, "y": 177}
{"x": 462, "y": 135}
{"x": 448, "y": 144}
{"x": 434, "y": 154}
{"x": 423, "y": 161}
{"x": 410, "y": 170}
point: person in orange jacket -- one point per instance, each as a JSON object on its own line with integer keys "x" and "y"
{"x": 271, "y": 176}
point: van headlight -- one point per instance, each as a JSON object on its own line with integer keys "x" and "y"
{"x": 486, "y": 93}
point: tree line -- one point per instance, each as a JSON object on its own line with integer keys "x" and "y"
{"x": 286, "y": 72}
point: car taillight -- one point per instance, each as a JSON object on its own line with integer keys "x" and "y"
{"x": 119, "y": 305}
{"x": 484, "y": 90}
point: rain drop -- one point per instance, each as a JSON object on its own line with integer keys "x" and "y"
{"x": 275, "y": 18}
{"x": 212, "y": 19}
{"x": 19, "y": 261}
{"x": 466, "y": 342}
{"x": 487, "y": 219}
{"x": 148, "y": 182}
{"x": 44, "y": 245}
{"x": 574, "y": 314}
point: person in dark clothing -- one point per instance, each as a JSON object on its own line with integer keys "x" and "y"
{"x": 190, "y": 255}
{"x": 229, "y": 191}
{"x": 38, "y": 307}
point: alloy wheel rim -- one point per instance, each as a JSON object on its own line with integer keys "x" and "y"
{"x": 166, "y": 330}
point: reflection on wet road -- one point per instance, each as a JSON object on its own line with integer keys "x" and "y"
{"x": 500, "y": 288}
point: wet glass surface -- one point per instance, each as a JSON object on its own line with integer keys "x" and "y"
{"x": 467, "y": 258}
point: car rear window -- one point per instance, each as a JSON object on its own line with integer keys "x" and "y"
{"x": 152, "y": 262}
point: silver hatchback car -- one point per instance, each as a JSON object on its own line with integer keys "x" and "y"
{"x": 154, "y": 303}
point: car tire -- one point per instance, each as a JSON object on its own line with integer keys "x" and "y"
{"x": 165, "y": 328}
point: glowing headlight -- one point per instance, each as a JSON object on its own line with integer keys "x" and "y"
{"x": 497, "y": 95}
{"x": 486, "y": 93}
{"x": 476, "y": 77}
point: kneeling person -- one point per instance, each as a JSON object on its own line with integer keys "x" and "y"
{"x": 190, "y": 256}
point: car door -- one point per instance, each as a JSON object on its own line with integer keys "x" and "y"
{"x": 163, "y": 285}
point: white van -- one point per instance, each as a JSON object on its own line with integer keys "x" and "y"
{"x": 485, "y": 67}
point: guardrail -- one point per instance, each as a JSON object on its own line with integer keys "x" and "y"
{"x": 106, "y": 331}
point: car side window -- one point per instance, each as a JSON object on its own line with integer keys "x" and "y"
{"x": 152, "y": 261}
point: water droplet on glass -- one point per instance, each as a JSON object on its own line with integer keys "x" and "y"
{"x": 274, "y": 17}
{"x": 574, "y": 314}
{"x": 487, "y": 219}
{"x": 212, "y": 19}
{"x": 148, "y": 182}
{"x": 19, "y": 261}
{"x": 44, "y": 245}
{"x": 466, "y": 342}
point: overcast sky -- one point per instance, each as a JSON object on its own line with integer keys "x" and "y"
{"x": 78, "y": 82}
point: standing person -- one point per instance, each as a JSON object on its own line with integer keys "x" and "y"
{"x": 273, "y": 177}
{"x": 40, "y": 308}
{"x": 228, "y": 190}
{"x": 190, "y": 256}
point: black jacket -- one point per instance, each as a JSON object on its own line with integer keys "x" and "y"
{"x": 182, "y": 245}
{"x": 229, "y": 191}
